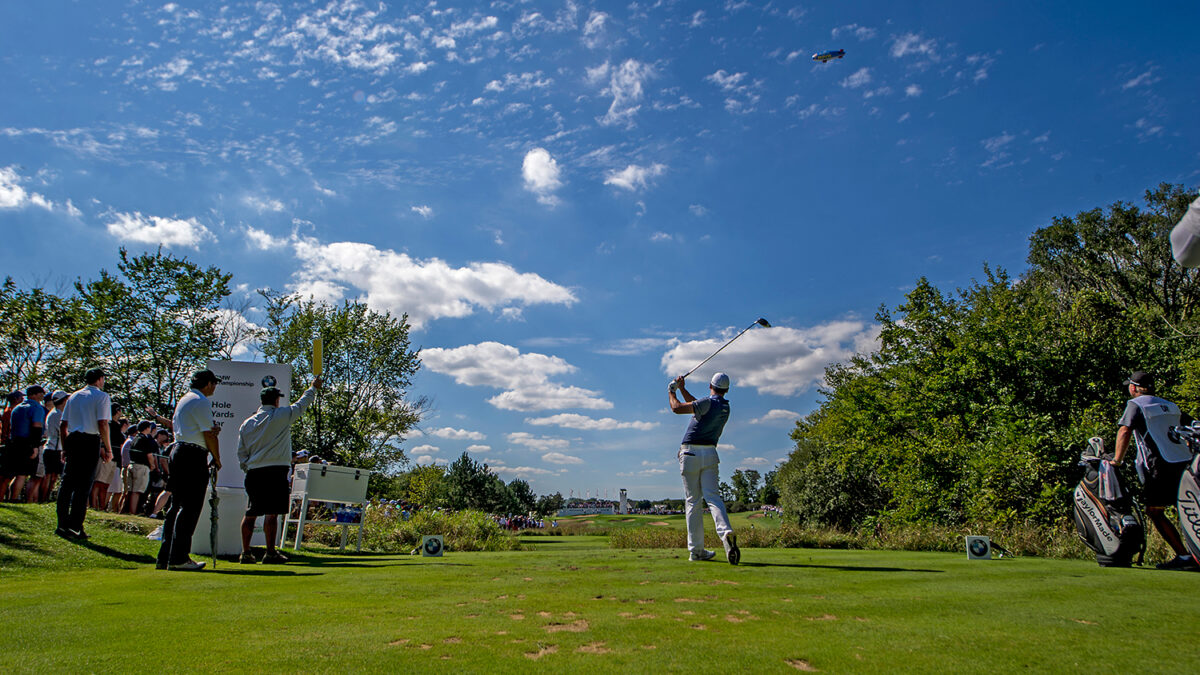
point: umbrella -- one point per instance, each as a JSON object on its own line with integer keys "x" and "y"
{"x": 213, "y": 501}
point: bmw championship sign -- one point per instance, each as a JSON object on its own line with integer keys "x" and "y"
{"x": 431, "y": 546}
{"x": 978, "y": 548}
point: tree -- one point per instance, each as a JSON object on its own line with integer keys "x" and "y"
{"x": 726, "y": 492}
{"x": 745, "y": 485}
{"x": 467, "y": 482}
{"x": 151, "y": 325}
{"x": 549, "y": 504}
{"x": 363, "y": 413}
{"x": 768, "y": 494}
{"x": 38, "y": 332}
{"x": 522, "y": 496}
{"x": 426, "y": 485}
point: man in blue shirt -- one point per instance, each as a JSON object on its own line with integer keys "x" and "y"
{"x": 698, "y": 464}
{"x": 26, "y": 425}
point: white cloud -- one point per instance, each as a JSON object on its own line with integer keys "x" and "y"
{"x": 914, "y": 43}
{"x": 457, "y": 434}
{"x": 859, "y": 78}
{"x": 698, "y": 210}
{"x": 424, "y": 449}
{"x": 263, "y": 204}
{"x": 1147, "y": 128}
{"x": 188, "y": 233}
{"x": 593, "y": 29}
{"x": 863, "y": 33}
{"x": 542, "y": 175}
{"x": 422, "y": 210}
{"x": 263, "y": 240}
{"x": 912, "y": 90}
{"x": 524, "y": 377}
{"x": 537, "y": 442}
{"x": 634, "y": 177}
{"x": 13, "y": 196}
{"x": 521, "y": 82}
{"x": 726, "y": 81}
{"x": 1144, "y": 80}
{"x": 526, "y": 471}
{"x": 560, "y": 458}
{"x": 661, "y": 236}
{"x": 753, "y": 461}
{"x": 626, "y": 88}
{"x": 777, "y": 416}
{"x": 780, "y": 361}
{"x": 479, "y": 448}
{"x": 585, "y": 423}
{"x": 741, "y": 96}
{"x": 425, "y": 289}
{"x": 996, "y": 148}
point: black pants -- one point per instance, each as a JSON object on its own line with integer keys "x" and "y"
{"x": 82, "y": 452}
{"x": 188, "y": 484}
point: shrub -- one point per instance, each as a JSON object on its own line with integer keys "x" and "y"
{"x": 385, "y": 532}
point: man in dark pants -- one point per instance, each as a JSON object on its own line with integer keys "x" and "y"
{"x": 84, "y": 434}
{"x": 196, "y": 439}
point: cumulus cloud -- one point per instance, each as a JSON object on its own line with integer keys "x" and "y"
{"x": 170, "y": 232}
{"x": 421, "y": 449}
{"x": 777, "y": 416}
{"x": 625, "y": 85}
{"x": 422, "y": 210}
{"x": 525, "y": 378}
{"x": 753, "y": 461}
{"x": 542, "y": 175}
{"x": 537, "y": 442}
{"x": 479, "y": 448}
{"x": 585, "y": 423}
{"x": 633, "y": 177}
{"x": 263, "y": 204}
{"x": 456, "y": 434}
{"x": 741, "y": 95}
{"x": 781, "y": 361}
{"x": 265, "y": 241}
{"x": 859, "y": 78}
{"x": 519, "y": 82}
{"x": 425, "y": 289}
{"x": 560, "y": 458}
{"x": 912, "y": 90}
{"x": 593, "y": 29}
{"x": 14, "y": 196}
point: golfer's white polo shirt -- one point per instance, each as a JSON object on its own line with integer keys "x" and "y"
{"x": 193, "y": 417}
{"x": 85, "y": 409}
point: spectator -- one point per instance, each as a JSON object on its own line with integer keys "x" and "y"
{"x": 52, "y": 465}
{"x": 116, "y": 489}
{"x": 196, "y": 435}
{"x": 136, "y": 475}
{"x": 85, "y": 439}
{"x": 13, "y": 400}
{"x": 162, "y": 437}
{"x": 26, "y": 426}
{"x": 109, "y": 471}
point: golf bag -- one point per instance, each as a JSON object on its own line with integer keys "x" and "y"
{"x": 1106, "y": 516}
{"x": 1188, "y": 498}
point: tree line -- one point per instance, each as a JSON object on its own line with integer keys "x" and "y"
{"x": 978, "y": 401}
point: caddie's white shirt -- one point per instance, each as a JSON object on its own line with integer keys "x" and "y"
{"x": 85, "y": 408}
{"x": 265, "y": 438}
{"x": 52, "y": 425}
{"x": 193, "y": 417}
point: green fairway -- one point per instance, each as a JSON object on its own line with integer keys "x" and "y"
{"x": 573, "y": 604}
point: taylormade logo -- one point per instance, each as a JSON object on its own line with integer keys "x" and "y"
{"x": 1098, "y": 522}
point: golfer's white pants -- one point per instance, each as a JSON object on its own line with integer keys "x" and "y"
{"x": 698, "y": 466}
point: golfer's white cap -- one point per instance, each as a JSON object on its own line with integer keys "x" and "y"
{"x": 719, "y": 381}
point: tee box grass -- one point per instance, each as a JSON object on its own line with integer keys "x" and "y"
{"x": 572, "y": 604}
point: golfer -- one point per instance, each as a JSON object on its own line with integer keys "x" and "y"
{"x": 698, "y": 463}
{"x": 265, "y": 454}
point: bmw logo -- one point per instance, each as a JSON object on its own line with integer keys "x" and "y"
{"x": 433, "y": 546}
{"x": 979, "y": 547}
{"x": 269, "y": 381}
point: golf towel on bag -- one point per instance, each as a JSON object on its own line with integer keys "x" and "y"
{"x": 1188, "y": 502}
{"x": 1111, "y": 527}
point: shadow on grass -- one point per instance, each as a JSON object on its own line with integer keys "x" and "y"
{"x": 246, "y": 571}
{"x": 844, "y": 568}
{"x": 138, "y": 558}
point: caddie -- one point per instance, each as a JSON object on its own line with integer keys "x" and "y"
{"x": 265, "y": 455}
{"x": 699, "y": 462}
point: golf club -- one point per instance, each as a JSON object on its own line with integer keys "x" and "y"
{"x": 760, "y": 322}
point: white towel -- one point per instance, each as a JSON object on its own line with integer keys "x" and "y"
{"x": 1110, "y": 487}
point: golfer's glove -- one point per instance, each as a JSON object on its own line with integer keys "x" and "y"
{"x": 672, "y": 387}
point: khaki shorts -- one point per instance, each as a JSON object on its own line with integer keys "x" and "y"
{"x": 107, "y": 473}
{"x": 136, "y": 478}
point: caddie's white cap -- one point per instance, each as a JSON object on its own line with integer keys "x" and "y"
{"x": 719, "y": 381}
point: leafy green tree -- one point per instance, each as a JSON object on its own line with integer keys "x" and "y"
{"x": 39, "y": 330}
{"x": 467, "y": 484}
{"x": 769, "y": 493}
{"x": 549, "y": 504}
{"x": 363, "y": 413}
{"x": 745, "y": 484}
{"x": 523, "y": 496}
{"x": 426, "y": 485}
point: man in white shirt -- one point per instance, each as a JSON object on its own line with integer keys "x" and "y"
{"x": 84, "y": 435}
{"x": 196, "y": 440}
{"x": 265, "y": 455}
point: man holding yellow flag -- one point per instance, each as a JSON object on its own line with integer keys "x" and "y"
{"x": 265, "y": 454}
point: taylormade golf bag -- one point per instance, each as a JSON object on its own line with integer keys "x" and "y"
{"x": 1188, "y": 498}
{"x": 1106, "y": 515}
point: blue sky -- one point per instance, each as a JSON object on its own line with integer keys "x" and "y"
{"x": 574, "y": 200}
